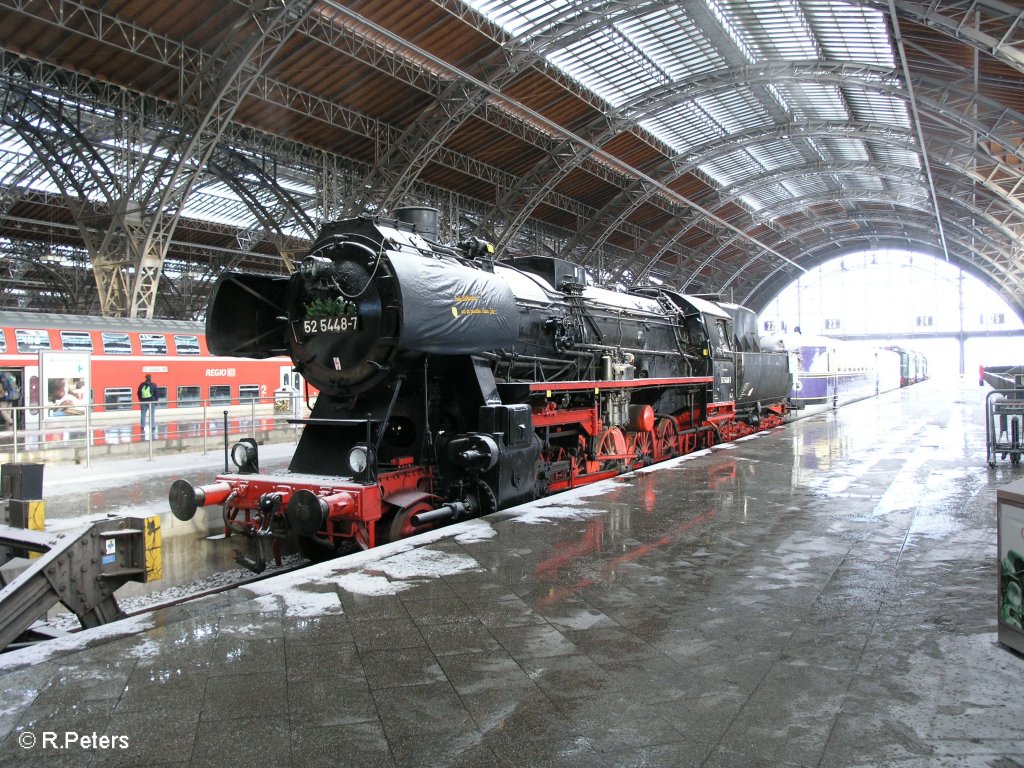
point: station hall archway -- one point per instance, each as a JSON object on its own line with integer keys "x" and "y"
{"x": 895, "y": 297}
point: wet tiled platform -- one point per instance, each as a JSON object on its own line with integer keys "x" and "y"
{"x": 822, "y": 595}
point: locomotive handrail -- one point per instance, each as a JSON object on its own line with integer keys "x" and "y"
{"x": 561, "y": 386}
{"x": 633, "y": 350}
{"x": 334, "y": 422}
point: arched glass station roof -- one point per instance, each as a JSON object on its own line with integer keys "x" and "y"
{"x": 716, "y": 145}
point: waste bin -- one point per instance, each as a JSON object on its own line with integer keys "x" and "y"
{"x": 21, "y": 480}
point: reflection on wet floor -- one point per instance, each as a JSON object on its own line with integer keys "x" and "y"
{"x": 136, "y": 487}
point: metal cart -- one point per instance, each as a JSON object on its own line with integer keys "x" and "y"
{"x": 1004, "y": 425}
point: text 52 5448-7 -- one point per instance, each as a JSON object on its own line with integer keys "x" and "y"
{"x": 311, "y": 326}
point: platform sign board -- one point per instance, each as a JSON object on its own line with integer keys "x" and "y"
{"x": 66, "y": 380}
{"x": 1010, "y": 548}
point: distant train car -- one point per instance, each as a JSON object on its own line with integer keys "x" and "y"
{"x": 920, "y": 367}
{"x": 833, "y": 372}
{"x": 64, "y": 362}
{"x": 913, "y": 366}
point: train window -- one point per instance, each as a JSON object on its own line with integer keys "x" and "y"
{"x": 247, "y": 392}
{"x": 3, "y": 341}
{"x": 718, "y": 336}
{"x": 220, "y": 394}
{"x": 116, "y": 343}
{"x": 186, "y": 345}
{"x": 76, "y": 341}
{"x": 189, "y": 396}
{"x": 695, "y": 333}
{"x": 153, "y": 343}
{"x": 724, "y": 335}
{"x": 31, "y": 340}
{"x": 117, "y": 398}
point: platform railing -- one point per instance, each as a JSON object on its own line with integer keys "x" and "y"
{"x": 83, "y": 433}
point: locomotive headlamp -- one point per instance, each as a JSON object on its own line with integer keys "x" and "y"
{"x": 245, "y": 455}
{"x": 315, "y": 267}
{"x": 477, "y": 248}
{"x": 361, "y": 460}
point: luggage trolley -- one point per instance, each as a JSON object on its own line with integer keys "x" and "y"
{"x": 1004, "y": 425}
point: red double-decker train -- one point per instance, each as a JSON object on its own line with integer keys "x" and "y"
{"x": 66, "y": 363}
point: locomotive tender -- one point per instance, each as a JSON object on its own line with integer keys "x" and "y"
{"x": 452, "y": 385}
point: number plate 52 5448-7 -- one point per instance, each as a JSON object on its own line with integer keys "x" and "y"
{"x": 312, "y": 326}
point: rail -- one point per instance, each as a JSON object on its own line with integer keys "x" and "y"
{"x": 92, "y": 432}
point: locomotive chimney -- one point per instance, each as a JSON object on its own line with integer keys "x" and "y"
{"x": 423, "y": 219}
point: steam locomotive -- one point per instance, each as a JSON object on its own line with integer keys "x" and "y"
{"x": 452, "y": 384}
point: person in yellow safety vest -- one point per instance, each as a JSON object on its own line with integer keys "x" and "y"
{"x": 147, "y": 402}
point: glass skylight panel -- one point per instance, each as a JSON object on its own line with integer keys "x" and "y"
{"x": 35, "y": 178}
{"x": 294, "y": 229}
{"x": 673, "y": 42}
{"x": 776, "y": 154}
{"x": 10, "y": 141}
{"x": 736, "y": 111}
{"x": 296, "y": 185}
{"x": 877, "y": 107}
{"x": 890, "y": 153}
{"x": 842, "y": 149}
{"x": 518, "y": 16}
{"x": 721, "y": 13}
{"x": 140, "y": 150}
{"x": 608, "y": 65}
{"x": 774, "y": 29}
{"x": 10, "y": 163}
{"x": 15, "y": 159}
{"x": 851, "y": 32}
{"x": 632, "y": 56}
{"x": 216, "y": 203}
{"x": 808, "y": 186}
{"x": 814, "y": 101}
{"x": 685, "y": 127}
{"x": 913, "y": 187}
{"x": 219, "y": 190}
{"x": 765, "y": 196}
{"x": 869, "y": 182}
{"x": 732, "y": 168}
{"x": 800, "y": 187}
